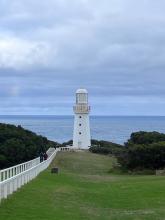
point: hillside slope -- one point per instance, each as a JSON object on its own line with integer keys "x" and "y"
{"x": 84, "y": 190}
{"x": 18, "y": 145}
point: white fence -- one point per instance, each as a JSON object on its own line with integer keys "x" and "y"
{"x": 14, "y": 177}
{"x": 13, "y": 171}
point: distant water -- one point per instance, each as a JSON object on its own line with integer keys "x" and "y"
{"x": 60, "y": 128}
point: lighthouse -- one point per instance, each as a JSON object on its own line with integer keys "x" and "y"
{"x": 81, "y": 133}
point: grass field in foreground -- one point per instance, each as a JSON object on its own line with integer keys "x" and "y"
{"x": 84, "y": 190}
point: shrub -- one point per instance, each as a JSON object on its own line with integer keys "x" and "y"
{"x": 104, "y": 147}
{"x": 143, "y": 137}
{"x": 144, "y": 150}
{"x": 18, "y": 145}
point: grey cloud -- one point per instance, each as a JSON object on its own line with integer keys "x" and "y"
{"x": 114, "y": 48}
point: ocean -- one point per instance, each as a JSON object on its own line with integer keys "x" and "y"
{"x": 111, "y": 128}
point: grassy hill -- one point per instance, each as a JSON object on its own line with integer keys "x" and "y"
{"x": 85, "y": 190}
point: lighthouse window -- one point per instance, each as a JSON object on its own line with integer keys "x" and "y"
{"x": 79, "y": 132}
{"x": 79, "y": 124}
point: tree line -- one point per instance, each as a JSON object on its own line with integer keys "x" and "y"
{"x": 18, "y": 145}
{"x": 144, "y": 150}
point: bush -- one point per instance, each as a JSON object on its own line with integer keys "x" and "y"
{"x": 18, "y": 145}
{"x": 143, "y": 137}
{"x": 104, "y": 147}
{"x": 144, "y": 150}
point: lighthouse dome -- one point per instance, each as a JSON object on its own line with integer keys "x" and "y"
{"x": 82, "y": 91}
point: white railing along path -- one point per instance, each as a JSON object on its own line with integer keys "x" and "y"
{"x": 14, "y": 177}
{"x": 13, "y": 171}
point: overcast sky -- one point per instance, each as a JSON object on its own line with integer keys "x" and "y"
{"x": 114, "y": 48}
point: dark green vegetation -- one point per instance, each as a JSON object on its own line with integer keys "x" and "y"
{"x": 18, "y": 145}
{"x": 143, "y": 151}
{"x": 143, "y": 137}
{"x": 104, "y": 147}
{"x": 83, "y": 190}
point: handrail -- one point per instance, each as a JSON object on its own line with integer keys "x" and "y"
{"x": 14, "y": 170}
{"x": 18, "y": 165}
{"x": 12, "y": 183}
{"x": 13, "y": 177}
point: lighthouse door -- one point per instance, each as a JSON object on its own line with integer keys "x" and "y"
{"x": 79, "y": 144}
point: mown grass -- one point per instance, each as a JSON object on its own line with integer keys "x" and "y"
{"x": 85, "y": 190}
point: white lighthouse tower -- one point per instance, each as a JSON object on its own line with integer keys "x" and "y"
{"x": 81, "y": 134}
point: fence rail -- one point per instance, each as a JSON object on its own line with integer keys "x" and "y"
{"x": 15, "y": 170}
{"x": 14, "y": 177}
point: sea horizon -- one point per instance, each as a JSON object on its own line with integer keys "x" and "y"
{"x": 103, "y": 127}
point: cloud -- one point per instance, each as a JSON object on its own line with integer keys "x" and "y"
{"x": 114, "y": 48}
{"x": 17, "y": 53}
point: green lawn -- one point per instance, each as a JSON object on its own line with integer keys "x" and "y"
{"x": 84, "y": 190}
